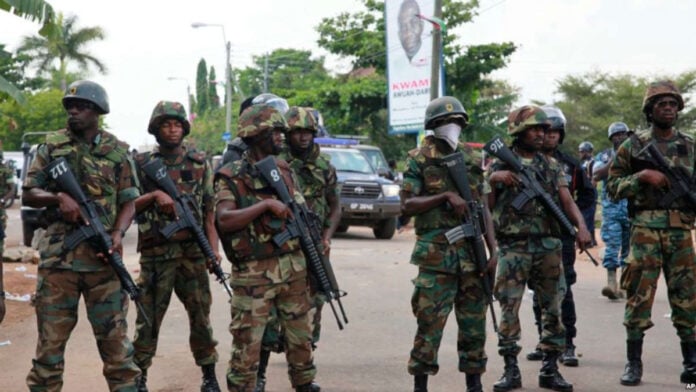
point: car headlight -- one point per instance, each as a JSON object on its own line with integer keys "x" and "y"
{"x": 390, "y": 190}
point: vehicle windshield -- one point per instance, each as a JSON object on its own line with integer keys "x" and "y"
{"x": 349, "y": 161}
{"x": 376, "y": 159}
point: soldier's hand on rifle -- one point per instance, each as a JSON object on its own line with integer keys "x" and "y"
{"x": 68, "y": 208}
{"x": 278, "y": 208}
{"x": 116, "y": 245}
{"x": 505, "y": 177}
{"x": 459, "y": 205}
{"x": 583, "y": 239}
{"x": 653, "y": 177}
{"x": 165, "y": 203}
{"x": 492, "y": 264}
{"x": 209, "y": 263}
{"x": 326, "y": 244}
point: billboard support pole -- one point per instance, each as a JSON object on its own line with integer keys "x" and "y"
{"x": 435, "y": 59}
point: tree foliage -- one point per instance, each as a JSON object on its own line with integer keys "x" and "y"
{"x": 213, "y": 98}
{"x": 592, "y": 101}
{"x": 64, "y": 45}
{"x": 202, "y": 91}
{"x": 44, "y": 112}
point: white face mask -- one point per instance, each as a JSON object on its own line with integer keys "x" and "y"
{"x": 449, "y": 133}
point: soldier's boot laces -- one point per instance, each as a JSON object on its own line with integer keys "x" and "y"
{"x": 261, "y": 373}
{"x": 309, "y": 387}
{"x": 473, "y": 383}
{"x": 209, "y": 383}
{"x": 568, "y": 358}
{"x": 420, "y": 383}
{"x": 688, "y": 376}
{"x": 511, "y": 379}
{"x": 549, "y": 376}
{"x": 141, "y": 382}
{"x": 611, "y": 290}
{"x": 634, "y": 368}
{"x": 536, "y": 355}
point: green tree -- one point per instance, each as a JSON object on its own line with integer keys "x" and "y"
{"x": 202, "y": 91}
{"x": 66, "y": 44}
{"x": 213, "y": 98}
{"x": 43, "y": 112}
{"x": 594, "y": 100}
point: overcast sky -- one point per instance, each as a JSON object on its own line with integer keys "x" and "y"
{"x": 149, "y": 41}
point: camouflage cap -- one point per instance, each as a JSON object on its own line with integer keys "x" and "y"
{"x": 301, "y": 118}
{"x": 259, "y": 118}
{"x": 662, "y": 87}
{"x": 168, "y": 109}
{"x": 525, "y": 117}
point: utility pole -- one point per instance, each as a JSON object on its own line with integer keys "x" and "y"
{"x": 265, "y": 74}
{"x": 437, "y": 49}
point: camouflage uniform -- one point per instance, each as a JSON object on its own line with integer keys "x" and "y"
{"x": 660, "y": 238}
{"x": 179, "y": 266}
{"x": 447, "y": 275}
{"x": 6, "y": 184}
{"x": 105, "y": 171}
{"x": 264, "y": 277}
{"x": 616, "y": 227}
{"x": 530, "y": 251}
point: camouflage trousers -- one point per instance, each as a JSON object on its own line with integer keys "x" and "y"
{"x": 434, "y": 295}
{"x": 652, "y": 250}
{"x": 274, "y": 336}
{"x": 542, "y": 269}
{"x": 251, "y": 309}
{"x": 57, "y": 296}
{"x": 189, "y": 280}
{"x": 615, "y": 233}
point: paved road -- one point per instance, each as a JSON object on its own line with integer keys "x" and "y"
{"x": 371, "y": 353}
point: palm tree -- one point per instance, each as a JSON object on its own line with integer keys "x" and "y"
{"x": 35, "y": 10}
{"x": 65, "y": 44}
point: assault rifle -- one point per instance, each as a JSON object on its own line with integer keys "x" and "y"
{"x": 681, "y": 184}
{"x": 157, "y": 172}
{"x": 304, "y": 226}
{"x": 60, "y": 172}
{"x": 471, "y": 227}
{"x": 531, "y": 188}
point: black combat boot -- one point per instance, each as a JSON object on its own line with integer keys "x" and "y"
{"x": 141, "y": 381}
{"x": 634, "y": 368}
{"x": 473, "y": 383}
{"x": 568, "y": 358}
{"x": 549, "y": 376}
{"x": 420, "y": 383}
{"x": 209, "y": 383}
{"x": 309, "y": 387}
{"x": 261, "y": 373}
{"x": 688, "y": 376}
{"x": 511, "y": 379}
{"x": 536, "y": 355}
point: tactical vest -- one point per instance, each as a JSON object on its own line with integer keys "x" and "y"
{"x": 679, "y": 152}
{"x": 313, "y": 176}
{"x": 436, "y": 180}
{"x": 189, "y": 179}
{"x": 533, "y": 219}
{"x": 96, "y": 172}
{"x": 254, "y": 242}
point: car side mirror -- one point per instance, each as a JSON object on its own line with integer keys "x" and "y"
{"x": 382, "y": 172}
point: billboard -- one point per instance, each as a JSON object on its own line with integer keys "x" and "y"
{"x": 409, "y": 59}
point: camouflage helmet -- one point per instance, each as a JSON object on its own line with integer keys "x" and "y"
{"x": 259, "y": 118}
{"x": 88, "y": 91}
{"x": 585, "y": 147}
{"x": 616, "y": 127}
{"x": 444, "y": 106}
{"x": 525, "y": 117}
{"x": 301, "y": 118}
{"x": 662, "y": 87}
{"x": 168, "y": 109}
{"x": 556, "y": 120}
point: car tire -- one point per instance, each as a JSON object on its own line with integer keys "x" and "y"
{"x": 385, "y": 229}
{"x": 342, "y": 228}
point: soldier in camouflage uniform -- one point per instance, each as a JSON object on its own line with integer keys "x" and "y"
{"x": 615, "y": 229}
{"x": 584, "y": 194}
{"x": 265, "y": 277}
{"x": 6, "y": 187}
{"x": 660, "y": 234}
{"x": 447, "y": 273}
{"x": 530, "y": 248}
{"x": 317, "y": 180}
{"x": 102, "y": 166}
{"x": 176, "y": 264}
